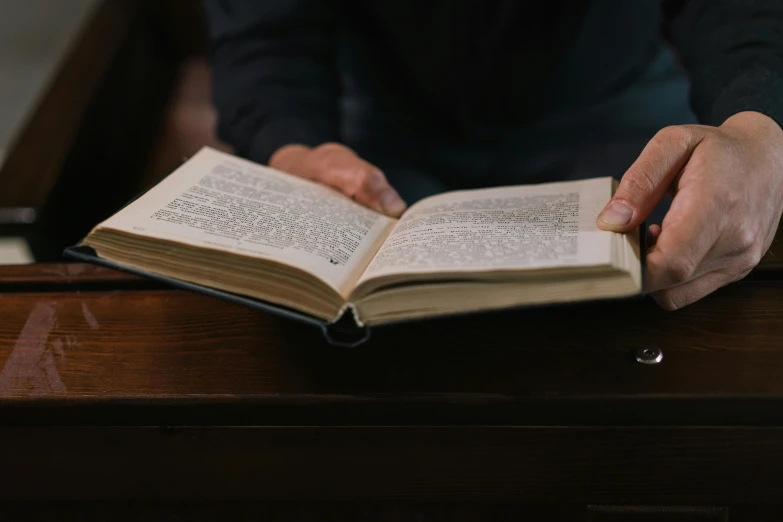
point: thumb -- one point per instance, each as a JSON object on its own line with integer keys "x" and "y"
{"x": 647, "y": 180}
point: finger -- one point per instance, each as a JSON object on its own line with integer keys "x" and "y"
{"x": 337, "y": 166}
{"x": 645, "y": 183}
{"x": 682, "y": 295}
{"x": 652, "y": 234}
{"x": 365, "y": 183}
{"x": 690, "y": 230}
{"x": 375, "y": 191}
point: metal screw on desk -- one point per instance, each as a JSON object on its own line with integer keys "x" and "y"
{"x": 649, "y": 355}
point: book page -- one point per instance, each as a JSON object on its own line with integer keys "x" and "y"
{"x": 221, "y": 202}
{"x": 505, "y": 228}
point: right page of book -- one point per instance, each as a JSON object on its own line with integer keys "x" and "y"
{"x": 504, "y": 228}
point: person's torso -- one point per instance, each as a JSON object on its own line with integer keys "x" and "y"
{"x": 493, "y": 62}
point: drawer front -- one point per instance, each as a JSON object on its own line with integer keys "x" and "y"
{"x": 657, "y": 514}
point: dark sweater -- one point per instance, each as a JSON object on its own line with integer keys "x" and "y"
{"x": 474, "y": 63}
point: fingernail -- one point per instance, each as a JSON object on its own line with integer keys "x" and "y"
{"x": 391, "y": 203}
{"x": 616, "y": 214}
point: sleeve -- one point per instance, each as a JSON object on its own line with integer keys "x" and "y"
{"x": 274, "y": 68}
{"x": 733, "y": 52}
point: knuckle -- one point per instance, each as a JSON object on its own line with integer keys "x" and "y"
{"x": 747, "y": 239}
{"x": 679, "y": 269}
{"x": 726, "y": 197}
{"x": 326, "y": 163}
{"x": 746, "y": 247}
{"x": 673, "y": 136}
{"x": 356, "y": 180}
{"x": 330, "y": 155}
{"x": 330, "y": 148}
{"x": 639, "y": 182}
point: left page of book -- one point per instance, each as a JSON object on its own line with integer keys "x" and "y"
{"x": 221, "y": 202}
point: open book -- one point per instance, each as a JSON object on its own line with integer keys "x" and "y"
{"x": 224, "y": 223}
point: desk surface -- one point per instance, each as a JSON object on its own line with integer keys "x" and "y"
{"x": 103, "y": 372}
{"x": 101, "y": 341}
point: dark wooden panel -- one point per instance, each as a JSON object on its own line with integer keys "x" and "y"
{"x": 136, "y": 511}
{"x": 114, "y": 354}
{"x": 64, "y": 274}
{"x": 749, "y": 513}
{"x": 629, "y": 466}
{"x": 286, "y": 512}
{"x": 657, "y": 514}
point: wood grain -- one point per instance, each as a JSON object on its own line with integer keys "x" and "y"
{"x": 200, "y": 511}
{"x": 63, "y": 274}
{"x": 627, "y": 466}
{"x": 125, "y": 356}
{"x": 353, "y": 512}
{"x": 153, "y": 395}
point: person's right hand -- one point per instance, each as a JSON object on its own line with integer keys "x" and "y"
{"x": 339, "y": 167}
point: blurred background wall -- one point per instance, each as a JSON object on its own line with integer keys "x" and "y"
{"x": 34, "y": 38}
{"x": 98, "y": 100}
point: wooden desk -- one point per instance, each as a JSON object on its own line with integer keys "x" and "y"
{"x": 113, "y": 389}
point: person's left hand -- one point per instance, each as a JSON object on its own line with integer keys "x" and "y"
{"x": 727, "y": 184}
